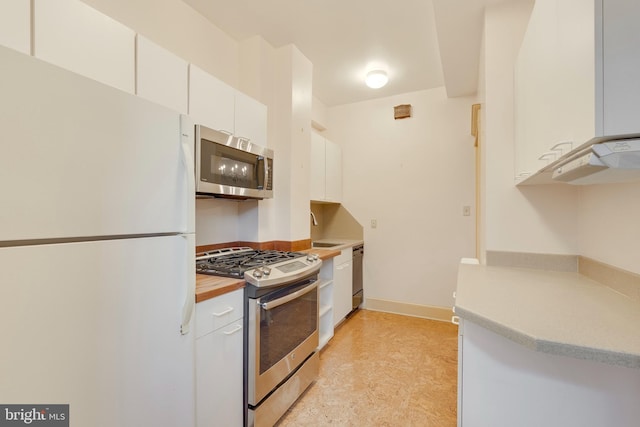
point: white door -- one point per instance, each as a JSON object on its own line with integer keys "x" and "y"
{"x": 96, "y": 325}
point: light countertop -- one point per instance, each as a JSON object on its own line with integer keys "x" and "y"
{"x": 344, "y": 243}
{"x": 554, "y": 312}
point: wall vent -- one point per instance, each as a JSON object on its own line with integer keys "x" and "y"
{"x": 402, "y": 111}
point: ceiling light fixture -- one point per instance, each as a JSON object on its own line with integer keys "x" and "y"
{"x": 376, "y": 79}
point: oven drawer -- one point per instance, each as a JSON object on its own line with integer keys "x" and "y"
{"x": 217, "y": 312}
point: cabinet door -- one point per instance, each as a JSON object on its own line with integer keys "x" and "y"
{"x": 161, "y": 76}
{"x": 621, "y": 66}
{"x": 333, "y": 172}
{"x": 575, "y": 105}
{"x": 318, "y": 162}
{"x": 536, "y": 88}
{"x": 217, "y": 312}
{"x": 219, "y": 396}
{"x": 211, "y": 102}
{"x": 74, "y": 36}
{"x": 15, "y": 25}
{"x": 342, "y": 290}
{"x": 250, "y": 119}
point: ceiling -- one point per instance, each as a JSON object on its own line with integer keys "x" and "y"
{"x": 422, "y": 44}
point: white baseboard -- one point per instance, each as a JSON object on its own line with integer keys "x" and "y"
{"x": 425, "y": 311}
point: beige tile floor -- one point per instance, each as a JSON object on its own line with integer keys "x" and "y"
{"x": 383, "y": 369}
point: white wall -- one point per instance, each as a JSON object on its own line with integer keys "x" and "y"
{"x": 539, "y": 219}
{"x": 609, "y": 221}
{"x": 413, "y": 176}
{"x": 293, "y": 136}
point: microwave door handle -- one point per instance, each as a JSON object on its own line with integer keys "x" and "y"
{"x": 262, "y": 172}
{"x": 285, "y": 299}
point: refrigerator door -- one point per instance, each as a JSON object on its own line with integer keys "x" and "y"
{"x": 81, "y": 159}
{"x": 97, "y": 325}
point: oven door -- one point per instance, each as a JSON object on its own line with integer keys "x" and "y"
{"x": 283, "y": 332}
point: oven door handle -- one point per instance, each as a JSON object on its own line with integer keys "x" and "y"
{"x": 285, "y": 299}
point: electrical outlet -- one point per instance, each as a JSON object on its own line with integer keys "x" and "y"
{"x": 374, "y": 223}
{"x": 466, "y": 210}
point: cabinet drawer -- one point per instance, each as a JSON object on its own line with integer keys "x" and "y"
{"x": 217, "y": 312}
{"x": 344, "y": 256}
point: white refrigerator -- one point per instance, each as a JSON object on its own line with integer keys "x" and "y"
{"x": 97, "y": 280}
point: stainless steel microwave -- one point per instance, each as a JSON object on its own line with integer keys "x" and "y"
{"x": 231, "y": 167}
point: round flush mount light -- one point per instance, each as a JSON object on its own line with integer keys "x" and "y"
{"x": 376, "y": 79}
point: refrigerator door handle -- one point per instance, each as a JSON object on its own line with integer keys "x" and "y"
{"x": 190, "y": 299}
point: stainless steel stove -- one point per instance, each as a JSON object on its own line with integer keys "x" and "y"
{"x": 280, "y": 322}
{"x": 260, "y": 268}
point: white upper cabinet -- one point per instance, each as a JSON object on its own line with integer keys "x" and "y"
{"x": 333, "y": 171}
{"x": 74, "y": 36}
{"x": 219, "y": 106}
{"x": 161, "y": 76}
{"x": 211, "y": 101}
{"x": 15, "y": 16}
{"x": 250, "y": 119}
{"x": 575, "y": 78}
{"x": 318, "y": 162}
{"x": 326, "y": 170}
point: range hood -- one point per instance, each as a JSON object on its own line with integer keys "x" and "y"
{"x": 602, "y": 163}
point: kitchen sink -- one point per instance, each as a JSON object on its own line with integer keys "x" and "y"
{"x": 325, "y": 244}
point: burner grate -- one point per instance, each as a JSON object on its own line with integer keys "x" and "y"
{"x": 233, "y": 262}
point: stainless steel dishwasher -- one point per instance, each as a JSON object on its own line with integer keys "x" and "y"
{"x": 358, "y": 253}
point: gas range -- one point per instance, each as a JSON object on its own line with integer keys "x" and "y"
{"x": 261, "y": 268}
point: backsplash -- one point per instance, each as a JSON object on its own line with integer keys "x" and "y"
{"x": 551, "y": 262}
{"x": 625, "y": 282}
{"x": 334, "y": 221}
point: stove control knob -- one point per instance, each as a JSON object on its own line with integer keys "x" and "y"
{"x": 266, "y": 271}
{"x": 316, "y": 257}
{"x": 257, "y": 273}
{"x": 310, "y": 258}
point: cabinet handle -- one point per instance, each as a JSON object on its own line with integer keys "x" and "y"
{"x": 233, "y": 331}
{"x": 455, "y": 320}
{"x": 545, "y": 156}
{"x": 560, "y": 144}
{"x": 222, "y": 313}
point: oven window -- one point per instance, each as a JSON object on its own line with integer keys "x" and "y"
{"x": 284, "y": 327}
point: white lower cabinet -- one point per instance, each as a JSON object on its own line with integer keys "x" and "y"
{"x": 503, "y": 383}
{"x": 342, "y": 285}
{"x": 219, "y": 361}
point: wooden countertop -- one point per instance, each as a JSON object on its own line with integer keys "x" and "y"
{"x": 212, "y": 286}
{"x": 553, "y": 312}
